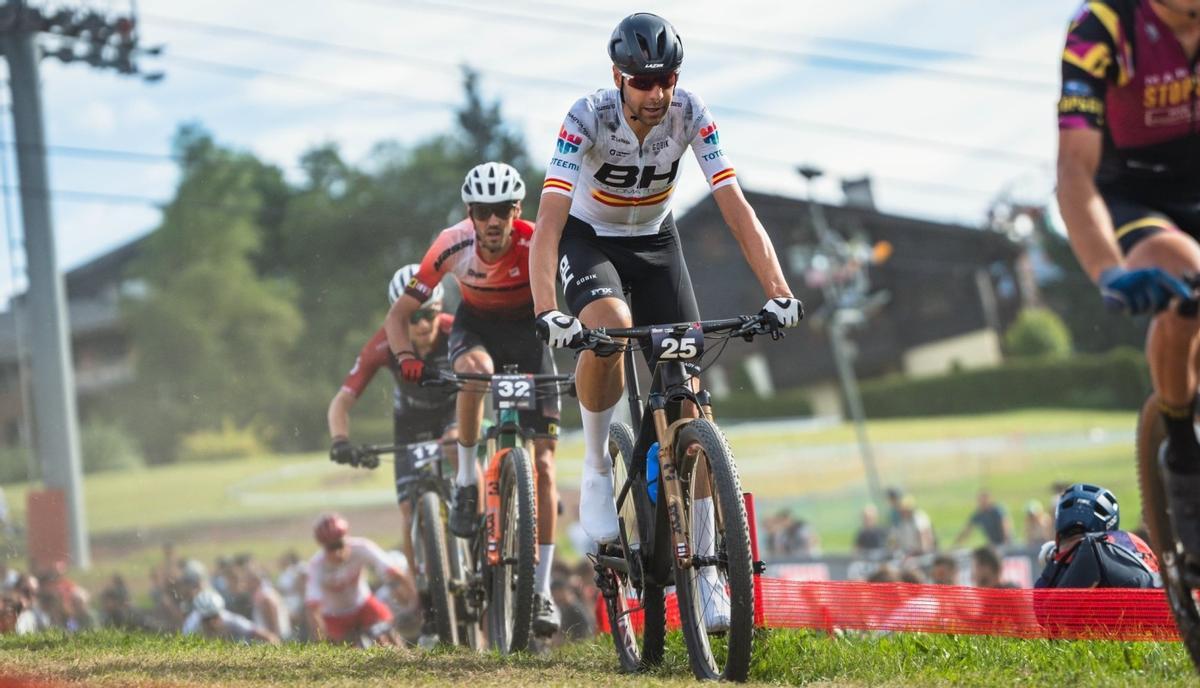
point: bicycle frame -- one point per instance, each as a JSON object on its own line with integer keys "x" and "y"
{"x": 501, "y": 437}
{"x": 670, "y": 385}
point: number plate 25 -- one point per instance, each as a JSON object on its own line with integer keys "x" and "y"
{"x": 674, "y": 345}
{"x": 513, "y": 392}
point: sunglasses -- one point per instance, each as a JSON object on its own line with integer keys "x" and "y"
{"x": 645, "y": 82}
{"x": 484, "y": 211}
{"x": 422, "y": 314}
{"x": 335, "y": 546}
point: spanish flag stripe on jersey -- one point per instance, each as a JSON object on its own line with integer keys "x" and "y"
{"x": 722, "y": 175}
{"x": 611, "y": 200}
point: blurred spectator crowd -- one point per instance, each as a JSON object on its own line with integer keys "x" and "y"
{"x": 239, "y": 598}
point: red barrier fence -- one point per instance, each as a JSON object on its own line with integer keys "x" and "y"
{"x": 1093, "y": 614}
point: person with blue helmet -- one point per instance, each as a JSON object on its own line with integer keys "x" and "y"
{"x": 1090, "y": 550}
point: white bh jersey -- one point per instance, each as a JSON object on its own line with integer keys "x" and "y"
{"x": 622, "y": 188}
{"x": 341, "y": 588}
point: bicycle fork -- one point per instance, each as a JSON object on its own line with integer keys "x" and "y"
{"x": 669, "y": 484}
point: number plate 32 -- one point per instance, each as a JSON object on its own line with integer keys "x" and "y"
{"x": 513, "y": 392}
{"x": 676, "y": 343}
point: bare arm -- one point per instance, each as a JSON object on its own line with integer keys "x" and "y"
{"x": 396, "y": 323}
{"x": 339, "y": 414}
{"x": 756, "y": 245}
{"x": 1089, "y": 225}
{"x": 543, "y": 250}
{"x": 316, "y": 625}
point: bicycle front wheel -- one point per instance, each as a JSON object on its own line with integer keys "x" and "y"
{"x": 510, "y": 607}
{"x": 715, "y": 593}
{"x": 1181, "y": 594}
{"x": 434, "y": 566}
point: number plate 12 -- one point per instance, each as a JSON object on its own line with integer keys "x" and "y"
{"x": 671, "y": 344}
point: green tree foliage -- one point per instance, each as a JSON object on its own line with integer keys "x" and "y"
{"x": 212, "y": 337}
{"x": 1037, "y": 332}
{"x": 261, "y": 291}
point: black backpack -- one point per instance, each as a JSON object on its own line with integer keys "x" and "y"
{"x": 1098, "y": 562}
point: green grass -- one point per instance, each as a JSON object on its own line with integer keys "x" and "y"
{"x": 781, "y": 658}
{"x": 163, "y": 496}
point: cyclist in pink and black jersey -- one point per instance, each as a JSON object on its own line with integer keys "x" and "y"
{"x": 1129, "y": 191}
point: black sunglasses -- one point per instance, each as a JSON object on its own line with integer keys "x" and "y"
{"x": 645, "y": 82}
{"x": 422, "y": 314}
{"x": 484, "y": 211}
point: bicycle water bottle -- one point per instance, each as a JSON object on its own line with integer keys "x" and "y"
{"x": 652, "y": 473}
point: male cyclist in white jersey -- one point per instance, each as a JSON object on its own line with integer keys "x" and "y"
{"x": 605, "y": 221}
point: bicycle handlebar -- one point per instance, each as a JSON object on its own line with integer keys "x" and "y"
{"x": 745, "y": 326}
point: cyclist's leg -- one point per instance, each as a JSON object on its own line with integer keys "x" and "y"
{"x": 1171, "y": 341}
{"x": 467, "y": 355}
{"x": 406, "y": 429}
{"x": 1151, "y": 239}
{"x": 594, "y": 294}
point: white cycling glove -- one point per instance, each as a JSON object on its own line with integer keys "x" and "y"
{"x": 787, "y": 311}
{"x": 558, "y": 329}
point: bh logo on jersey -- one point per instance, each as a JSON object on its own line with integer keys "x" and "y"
{"x": 710, "y": 135}
{"x": 568, "y": 143}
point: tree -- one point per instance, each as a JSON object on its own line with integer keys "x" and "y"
{"x": 1037, "y": 332}
{"x": 211, "y": 337}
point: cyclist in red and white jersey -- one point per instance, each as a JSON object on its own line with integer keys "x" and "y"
{"x": 341, "y": 607}
{"x": 488, "y": 254}
{"x": 605, "y": 221}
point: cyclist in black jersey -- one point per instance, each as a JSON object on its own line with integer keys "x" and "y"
{"x": 1129, "y": 192}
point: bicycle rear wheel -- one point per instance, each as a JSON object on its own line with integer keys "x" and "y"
{"x": 637, "y": 520}
{"x": 510, "y": 607}
{"x": 1178, "y": 583}
{"x": 434, "y": 566}
{"x": 705, "y": 465}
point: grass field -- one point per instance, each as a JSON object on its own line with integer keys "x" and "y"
{"x": 781, "y": 658}
{"x": 219, "y": 508}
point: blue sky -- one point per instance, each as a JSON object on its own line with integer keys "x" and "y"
{"x": 945, "y": 103}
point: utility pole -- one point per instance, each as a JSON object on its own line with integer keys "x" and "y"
{"x": 844, "y": 286}
{"x": 105, "y": 43}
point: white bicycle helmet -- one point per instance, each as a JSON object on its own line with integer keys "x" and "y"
{"x": 401, "y": 279}
{"x": 208, "y": 603}
{"x": 493, "y": 182}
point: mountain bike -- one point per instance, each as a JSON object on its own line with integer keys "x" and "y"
{"x": 499, "y": 582}
{"x": 440, "y": 561}
{"x": 663, "y": 537}
{"x": 1180, "y": 573}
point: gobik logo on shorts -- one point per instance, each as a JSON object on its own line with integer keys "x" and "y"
{"x": 710, "y": 135}
{"x": 567, "y": 142}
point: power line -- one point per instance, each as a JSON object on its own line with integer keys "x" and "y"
{"x": 911, "y": 51}
{"x": 859, "y": 133}
{"x": 815, "y": 59}
{"x": 325, "y": 85}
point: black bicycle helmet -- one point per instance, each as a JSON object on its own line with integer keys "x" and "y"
{"x": 645, "y": 43}
{"x": 1086, "y": 508}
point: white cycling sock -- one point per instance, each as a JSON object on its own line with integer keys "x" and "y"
{"x": 595, "y": 438}
{"x": 541, "y": 575}
{"x": 704, "y": 528}
{"x": 468, "y": 472}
